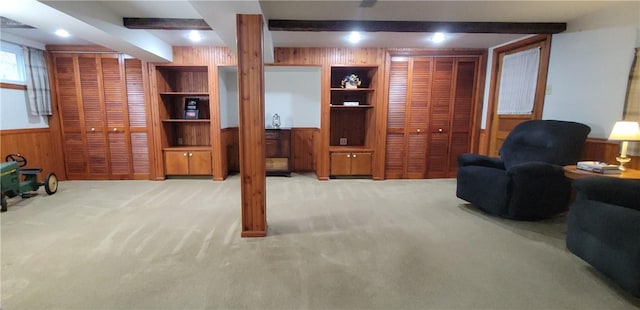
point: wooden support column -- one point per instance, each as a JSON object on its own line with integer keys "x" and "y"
{"x": 251, "y": 132}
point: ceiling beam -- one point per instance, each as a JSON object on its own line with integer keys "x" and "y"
{"x": 415, "y": 26}
{"x": 10, "y": 23}
{"x": 165, "y": 23}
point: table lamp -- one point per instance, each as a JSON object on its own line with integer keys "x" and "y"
{"x": 624, "y": 131}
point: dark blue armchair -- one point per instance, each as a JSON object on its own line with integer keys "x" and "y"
{"x": 603, "y": 228}
{"x": 527, "y": 181}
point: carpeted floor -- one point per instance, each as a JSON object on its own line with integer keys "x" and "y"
{"x": 339, "y": 244}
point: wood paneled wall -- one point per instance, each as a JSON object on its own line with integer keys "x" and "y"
{"x": 231, "y": 149}
{"x": 303, "y": 149}
{"x": 325, "y": 58}
{"x": 37, "y": 146}
{"x": 606, "y": 151}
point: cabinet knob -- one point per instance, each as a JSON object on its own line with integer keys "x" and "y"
{"x": 184, "y": 154}
{"x": 93, "y": 129}
{"x": 418, "y": 130}
{"x": 348, "y": 155}
{"x": 439, "y": 129}
{"x": 354, "y": 156}
{"x": 115, "y": 129}
{"x": 190, "y": 154}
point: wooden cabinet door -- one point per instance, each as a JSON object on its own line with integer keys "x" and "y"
{"x": 199, "y": 162}
{"x": 176, "y": 162}
{"x": 341, "y": 163}
{"x": 361, "y": 163}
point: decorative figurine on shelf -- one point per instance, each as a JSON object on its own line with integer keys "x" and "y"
{"x": 275, "y": 121}
{"x": 350, "y": 81}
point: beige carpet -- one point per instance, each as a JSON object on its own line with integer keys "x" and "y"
{"x": 339, "y": 244}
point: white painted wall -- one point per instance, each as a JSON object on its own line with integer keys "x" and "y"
{"x": 291, "y": 92}
{"x": 294, "y": 94}
{"x": 14, "y": 111}
{"x": 589, "y": 68}
{"x": 228, "y": 87}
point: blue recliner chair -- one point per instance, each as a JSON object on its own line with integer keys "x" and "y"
{"x": 603, "y": 228}
{"x": 527, "y": 181}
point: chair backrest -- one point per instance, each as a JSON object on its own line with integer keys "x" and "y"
{"x": 550, "y": 141}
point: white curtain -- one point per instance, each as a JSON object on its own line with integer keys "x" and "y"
{"x": 518, "y": 82}
{"x": 632, "y": 106}
{"x": 37, "y": 77}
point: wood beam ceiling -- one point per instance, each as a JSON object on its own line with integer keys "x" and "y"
{"x": 415, "y": 26}
{"x": 165, "y": 23}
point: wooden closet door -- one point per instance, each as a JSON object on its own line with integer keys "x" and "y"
{"x": 462, "y": 118}
{"x": 93, "y": 115}
{"x": 68, "y": 86}
{"x": 418, "y": 116}
{"x": 440, "y": 114}
{"x": 117, "y": 119}
{"x": 408, "y": 117}
{"x": 137, "y": 111}
{"x": 395, "y": 162}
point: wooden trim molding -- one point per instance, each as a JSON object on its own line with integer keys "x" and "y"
{"x": 544, "y": 42}
{"x": 13, "y": 86}
{"x": 7, "y": 132}
{"x": 78, "y": 49}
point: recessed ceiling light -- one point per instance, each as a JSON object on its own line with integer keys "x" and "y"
{"x": 354, "y": 37}
{"x": 62, "y": 33}
{"x": 438, "y": 37}
{"x": 194, "y": 36}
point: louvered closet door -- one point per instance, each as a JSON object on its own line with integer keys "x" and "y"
{"x": 137, "y": 118}
{"x": 117, "y": 118}
{"x": 94, "y": 118}
{"x": 464, "y": 97}
{"x": 68, "y": 93}
{"x": 437, "y": 157}
{"x": 408, "y": 117}
{"x": 395, "y": 162}
{"x": 418, "y": 117}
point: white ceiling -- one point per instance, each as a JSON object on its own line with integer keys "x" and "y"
{"x": 100, "y": 22}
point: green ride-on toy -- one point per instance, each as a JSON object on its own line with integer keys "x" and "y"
{"x": 11, "y": 185}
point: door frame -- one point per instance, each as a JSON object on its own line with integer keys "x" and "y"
{"x": 492, "y": 132}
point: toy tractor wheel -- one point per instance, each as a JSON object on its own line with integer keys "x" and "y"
{"x": 51, "y": 183}
{"x": 4, "y": 204}
{"x": 21, "y": 160}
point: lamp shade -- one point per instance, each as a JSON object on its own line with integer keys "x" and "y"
{"x": 625, "y": 131}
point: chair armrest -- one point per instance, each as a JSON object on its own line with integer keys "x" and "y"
{"x": 610, "y": 190}
{"x": 480, "y": 160}
{"x": 536, "y": 169}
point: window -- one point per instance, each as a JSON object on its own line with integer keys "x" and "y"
{"x": 11, "y": 64}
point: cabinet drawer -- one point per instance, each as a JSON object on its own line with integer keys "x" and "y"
{"x": 272, "y": 134}
{"x": 277, "y": 164}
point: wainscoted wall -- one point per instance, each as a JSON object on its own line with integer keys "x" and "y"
{"x": 303, "y": 149}
{"x": 37, "y": 146}
{"x": 606, "y": 151}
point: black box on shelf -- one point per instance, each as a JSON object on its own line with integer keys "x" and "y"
{"x": 191, "y": 108}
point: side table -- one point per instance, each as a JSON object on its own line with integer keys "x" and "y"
{"x": 573, "y": 173}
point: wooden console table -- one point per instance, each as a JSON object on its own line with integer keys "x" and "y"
{"x": 278, "y": 152}
{"x": 574, "y": 173}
